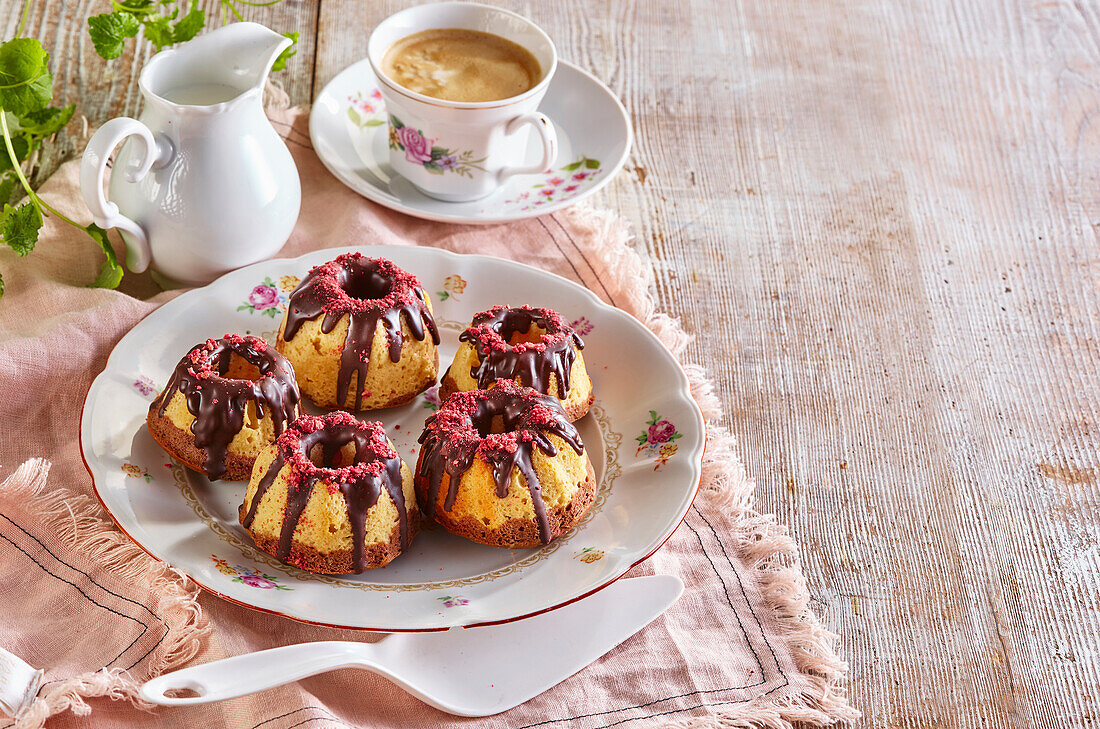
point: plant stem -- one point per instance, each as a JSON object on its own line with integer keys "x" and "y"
{"x": 23, "y": 20}
{"x": 38, "y": 202}
{"x": 229, "y": 4}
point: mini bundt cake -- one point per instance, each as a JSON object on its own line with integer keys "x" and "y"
{"x": 227, "y": 399}
{"x": 534, "y": 347}
{"x": 331, "y": 496}
{"x": 341, "y": 356}
{"x": 504, "y": 467}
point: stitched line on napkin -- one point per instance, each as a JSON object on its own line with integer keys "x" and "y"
{"x": 144, "y": 627}
{"x": 583, "y": 257}
{"x": 752, "y": 611}
{"x": 558, "y": 246}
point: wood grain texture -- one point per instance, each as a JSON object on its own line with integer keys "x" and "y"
{"x": 880, "y": 219}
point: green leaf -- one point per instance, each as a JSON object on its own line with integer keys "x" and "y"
{"x": 110, "y": 272}
{"x": 189, "y": 25}
{"x": 269, "y": 282}
{"x": 244, "y": 307}
{"x": 46, "y": 122}
{"x": 574, "y": 166}
{"x": 675, "y": 436}
{"x": 20, "y": 227}
{"x": 354, "y": 116}
{"x": 1, "y": 285}
{"x": 642, "y": 438}
{"x": 591, "y": 163}
{"x": 395, "y": 122}
{"x": 158, "y": 32}
{"x": 110, "y": 30}
{"x": 21, "y": 147}
{"x": 272, "y": 312}
{"x": 433, "y": 168}
{"x": 25, "y": 81}
{"x": 8, "y": 182}
{"x": 292, "y": 49}
{"x": 653, "y": 417}
{"x": 373, "y": 123}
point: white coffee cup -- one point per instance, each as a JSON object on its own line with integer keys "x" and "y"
{"x": 459, "y": 151}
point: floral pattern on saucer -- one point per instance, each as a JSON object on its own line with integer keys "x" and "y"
{"x": 419, "y": 150}
{"x": 657, "y": 439}
{"x": 366, "y": 111}
{"x": 560, "y": 184}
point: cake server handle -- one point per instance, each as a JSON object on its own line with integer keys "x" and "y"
{"x": 245, "y": 674}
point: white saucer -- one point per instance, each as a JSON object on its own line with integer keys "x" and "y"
{"x": 348, "y": 130}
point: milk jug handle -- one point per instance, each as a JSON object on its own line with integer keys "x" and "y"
{"x": 152, "y": 152}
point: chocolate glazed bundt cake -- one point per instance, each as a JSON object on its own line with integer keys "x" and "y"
{"x": 534, "y": 347}
{"x": 504, "y": 467}
{"x": 331, "y": 496}
{"x": 227, "y": 399}
{"x": 360, "y": 334}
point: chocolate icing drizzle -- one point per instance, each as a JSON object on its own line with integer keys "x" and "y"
{"x": 369, "y": 291}
{"x": 461, "y": 431}
{"x": 532, "y": 362}
{"x": 374, "y": 466}
{"x": 218, "y": 402}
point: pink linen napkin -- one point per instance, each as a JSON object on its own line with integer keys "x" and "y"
{"x": 79, "y": 600}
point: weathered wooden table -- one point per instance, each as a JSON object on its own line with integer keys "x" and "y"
{"x": 881, "y": 221}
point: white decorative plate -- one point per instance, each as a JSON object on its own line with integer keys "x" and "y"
{"x": 348, "y": 128}
{"x": 644, "y": 435}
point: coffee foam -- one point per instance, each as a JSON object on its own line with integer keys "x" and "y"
{"x": 461, "y": 65}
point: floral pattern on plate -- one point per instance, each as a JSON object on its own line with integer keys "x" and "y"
{"x": 582, "y": 326}
{"x": 135, "y": 471}
{"x": 145, "y": 386}
{"x": 250, "y": 577}
{"x": 269, "y": 298}
{"x": 420, "y": 150}
{"x": 431, "y": 398}
{"x": 588, "y": 555}
{"x": 453, "y": 286}
{"x": 657, "y": 439}
{"x": 453, "y": 601}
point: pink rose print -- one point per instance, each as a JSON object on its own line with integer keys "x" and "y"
{"x": 661, "y": 431}
{"x": 256, "y": 581}
{"x": 264, "y": 297}
{"x": 456, "y": 601}
{"x": 418, "y": 150}
{"x": 658, "y": 439}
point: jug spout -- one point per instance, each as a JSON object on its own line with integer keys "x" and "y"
{"x": 236, "y": 57}
{"x": 248, "y": 50}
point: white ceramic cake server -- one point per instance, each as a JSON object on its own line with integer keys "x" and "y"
{"x": 468, "y": 672}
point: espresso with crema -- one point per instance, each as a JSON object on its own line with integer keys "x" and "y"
{"x": 461, "y": 65}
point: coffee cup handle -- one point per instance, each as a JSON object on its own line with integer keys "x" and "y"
{"x": 156, "y": 151}
{"x": 549, "y": 137}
